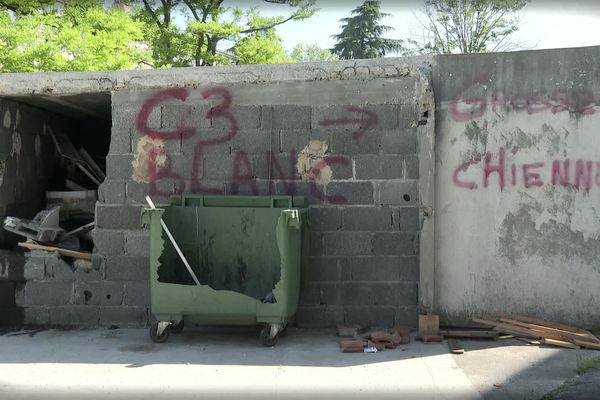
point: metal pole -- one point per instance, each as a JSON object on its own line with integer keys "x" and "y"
{"x": 168, "y": 232}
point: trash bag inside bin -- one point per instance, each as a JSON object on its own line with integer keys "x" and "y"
{"x": 228, "y": 249}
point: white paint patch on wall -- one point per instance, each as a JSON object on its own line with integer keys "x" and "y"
{"x": 310, "y": 160}
{"x": 147, "y": 149}
{"x": 16, "y": 145}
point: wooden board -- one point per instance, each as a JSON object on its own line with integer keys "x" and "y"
{"x": 66, "y": 252}
{"x": 559, "y": 343}
{"x": 552, "y": 333}
{"x": 548, "y": 324}
{"x": 429, "y": 325}
{"x": 506, "y": 328}
{"x": 587, "y": 345}
{"x": 469, "y": 333}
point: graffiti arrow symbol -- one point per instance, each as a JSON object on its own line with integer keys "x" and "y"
{"x": 368, "y": 120}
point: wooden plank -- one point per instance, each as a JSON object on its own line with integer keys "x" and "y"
{"x": 506, "y": 328}
{"x": 429, "y": 325}
{"x": 559, "y": 343}
{"x": 587, "y": 345}
{"x": 552, "y": 333}
{"x": 469, "y": 333}
{"x": 532, "y": 342}
{"x": 546, "y": 323}
{"x": 66, "y": 252}
{"x": 455, "y": 346}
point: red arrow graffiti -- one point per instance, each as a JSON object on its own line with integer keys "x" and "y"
{"x": 368, "y": 120}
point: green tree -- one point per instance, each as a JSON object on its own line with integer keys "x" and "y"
{"x": 208, "y": 23}
{"x": 361, "y": 34}
{"x": 470, "y": 26}
{"x": 77, "y": 36}
{"x": 311, "y": 53}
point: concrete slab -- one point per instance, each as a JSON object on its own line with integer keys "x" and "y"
{"x": 224, "y": 364}
{"x": 511, "y": 369}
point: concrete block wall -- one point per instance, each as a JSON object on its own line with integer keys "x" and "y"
{"x": 347, "y": 142}
{"x": 27, "y": 161}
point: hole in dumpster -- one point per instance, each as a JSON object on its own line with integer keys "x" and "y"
{"x": 238, "y": 257}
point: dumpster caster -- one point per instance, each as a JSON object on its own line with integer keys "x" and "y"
{"x": 163, "y": 328}
{"x": 269, "y": 335}
{"x": 177, "y": 328}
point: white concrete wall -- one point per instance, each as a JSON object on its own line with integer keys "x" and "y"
{"x": 532, "y": 244}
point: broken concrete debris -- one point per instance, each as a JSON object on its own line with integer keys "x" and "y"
{"x": 374, "y": 341}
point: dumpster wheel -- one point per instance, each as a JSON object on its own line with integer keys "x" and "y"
{"x": 270, "y": 334}
{"x": 156, "y": 337}
{"x": 177, "y": 328}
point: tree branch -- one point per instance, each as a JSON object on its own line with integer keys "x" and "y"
{"x": 152, "y": 13}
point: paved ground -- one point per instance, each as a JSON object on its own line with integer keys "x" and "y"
{"x": 231, "y": 364}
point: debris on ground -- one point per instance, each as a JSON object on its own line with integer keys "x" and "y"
{"x": 374, "y": 341}
{"x": 544, "y": 332}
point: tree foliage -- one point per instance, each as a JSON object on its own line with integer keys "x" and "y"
{"x": 470, "y": 26}
{"x": 77, "y": 36}
{"x": 208, "y": 23}
{"x": 361, "y": 35}
{"x": 311, "y": 53}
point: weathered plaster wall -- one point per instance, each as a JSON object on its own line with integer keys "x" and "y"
{"x": 518, "y": 185}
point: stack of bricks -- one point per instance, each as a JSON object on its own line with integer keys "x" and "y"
{"x": 249, "y": 139}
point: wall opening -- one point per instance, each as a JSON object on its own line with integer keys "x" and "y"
{"x": 52, "y": 154}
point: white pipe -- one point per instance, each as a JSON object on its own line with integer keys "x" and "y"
{"x": 164, "y": 226}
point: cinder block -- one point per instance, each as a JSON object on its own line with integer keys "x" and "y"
{"x": 409, "y": 219}
{"x": 313, "y": 193}
{"x": 373, "y": 316}
{"x": 408, "y": 315}
{"x": 394, "y": 243}
{"x": 119, "y": 166}
{"x": 127, "y": 268}
{"x": 171, "y": 142}
{"x": 137, "y": 294}
{"x": 45, "y": 294}
{"x": 297, "y": 139}
{"x": 320, "y": 294}
{"x": 120, "y": 141}
{"x": 36, "y": 315}
{"x": 255, "y": 141}
{"x": 397, "y": 192}
{"x": 220, "y": 167}
{"x": 35, "y": 266}
{"x": 285, "y": 117}
{"x": 347, "y": 243}
{"x": 319, "y": 316}
{"x": 276, "y": 166}
{"x": 80, "y": 316}
{"x": 322, "y": 269}
{"x": 12, "y": 264}
{"x": 411, "y": 167}
{"x": 104, "y": 293}
{"x": 350, "y": 192}
{"x": 385, "y": 116}
{"x": 368, "y": 218}
{"x": 137, "y": 243}
{"x": 400, "y": 142}
{"x": 109, "y": 241}
{"x": 316, "y": 244}
{"x": 378, "y": 166}
{"x": 118, "y": 216}
{"x": 325, "y": 218}
{"x": 248, "y": 117}
{"x": 89, "y": 275}
{"x": 368, "y": 143}
{"x": 112, "y": 191}
{"x": 409, "y": 271}
{"x": 160, "y": 193}
{"x": 374, "y": 293}
{"x": 373, "y": 269}
{"x": 124, "y": 316}
{"x": 57, "y": 269}
{"x": 181, "y": 115}
{"x": 249, "y": 187}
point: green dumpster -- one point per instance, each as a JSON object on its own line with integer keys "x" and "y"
{"x": 244, "y": 255}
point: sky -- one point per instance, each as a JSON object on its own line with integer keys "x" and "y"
{"x": 544, "y": 23}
